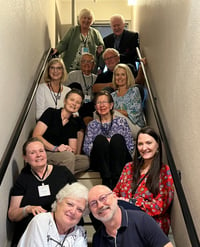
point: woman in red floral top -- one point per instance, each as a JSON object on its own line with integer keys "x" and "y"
{"x": 146, "y": 180}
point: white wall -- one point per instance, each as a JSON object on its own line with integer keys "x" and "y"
{"x": 27, "y": 30}
{"x": 169, "y": 35}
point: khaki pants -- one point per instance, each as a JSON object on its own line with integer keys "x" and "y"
{"x": 74, "y": 162}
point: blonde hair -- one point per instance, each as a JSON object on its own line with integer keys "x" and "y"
{"x": 130, "y": 79}
{"x": 88, "y": 13}
{"x": 47, "y": 77}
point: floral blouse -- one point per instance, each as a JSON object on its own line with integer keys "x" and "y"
{"x": 132, "y": 103}
{"x": 157, "y": 207}
{"x": 119, "y": 125}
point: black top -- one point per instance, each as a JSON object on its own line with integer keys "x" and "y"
{"x": 127, "y": 46}
{"x": 56, "y": 133}
{"x": 27, "y": 184}
{"x": 137, "y": 229}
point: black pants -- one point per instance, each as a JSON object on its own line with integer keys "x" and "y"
{"x": 109, "y": 158}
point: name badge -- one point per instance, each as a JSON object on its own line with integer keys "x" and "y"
{"x": 87, "y": 98}
{"x": 44, "y": 190}
{"x": 84, "y": 50}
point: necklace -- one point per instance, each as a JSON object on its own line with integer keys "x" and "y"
{"x": 41, "y": 179}
{"x": 106, "y": 127}
{"x": 54, "y": 95}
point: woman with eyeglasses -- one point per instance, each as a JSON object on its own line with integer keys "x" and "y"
{"x": 59, "y": 227}
{"x": 51, "y": 93}
{"x": 146, "y": 182}
{"x": 108, "y": 141}
{"x": 36, "y": 187}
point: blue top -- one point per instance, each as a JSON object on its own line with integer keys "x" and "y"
{"x": 137, "y": 229}
{"x": 132, "y": 103}
{"x": 119, "y": 125}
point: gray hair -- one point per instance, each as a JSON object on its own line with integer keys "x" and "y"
{"x": 117, "y": 16}
{"x": 74, "y": 190}
{"x": 86, "y": 12}
{"x": 88, "y": 54}
{"x": 111, "y": 50}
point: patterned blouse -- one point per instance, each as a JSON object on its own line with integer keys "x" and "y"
{"x": 132, "y": 103}
{"x": 157, "y": 207}
{"x": 119, "y": 125}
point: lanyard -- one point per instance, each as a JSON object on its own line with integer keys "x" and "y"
{"x": 55, "y": 96}
{"x": 87, "y": 87}
{"x": 84, "y": 40}
{"x": 38, "y": 177}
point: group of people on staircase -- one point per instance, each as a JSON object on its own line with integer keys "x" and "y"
{"x": 90, "y": 115}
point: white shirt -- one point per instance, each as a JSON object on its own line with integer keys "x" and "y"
{"x": 42, "y": 232}
{"x": 45, "y": 99}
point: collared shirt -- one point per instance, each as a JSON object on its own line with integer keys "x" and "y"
{"x": 117, "y": 41}
{"x": 137, "y": 229}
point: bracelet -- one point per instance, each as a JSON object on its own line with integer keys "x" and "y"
{"x": 24, "y": 211}
{"x": 54, "y": 148}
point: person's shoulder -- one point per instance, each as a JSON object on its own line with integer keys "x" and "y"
{"x": 80, "y": 231}
{"x": 66, "y": 89}
{"x": 74, "y": 72}
{"x": 130, "y": 33}
{"x": 109, "y": 36}
{"x": 94, "y": 30}
{"x": 43, "y": 86}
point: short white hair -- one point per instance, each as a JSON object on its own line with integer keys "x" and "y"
{"x": 86, "y": 12}
{"x": 117, "y": 16}
{"x": 74, "y": 190}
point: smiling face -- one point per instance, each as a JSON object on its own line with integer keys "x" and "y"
{"x": 111, "y": 60}
{"x": 147, "y": 146}
{"x": 56, "y": 71}
{"x": 73, "y": 102}
{"x": 87, "y": 64}
{"x": 106, "y": 203}
{"x": 85, "y": 21}
{"x": 117, "y": 25}
{"x": 35, "y": 155}
{"x": 103, "y": 106}
{"x": 68, "y": 213}
{"x": 120, "y": 77}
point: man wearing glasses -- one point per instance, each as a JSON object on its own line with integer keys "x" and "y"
{"x": 122, "y": 227}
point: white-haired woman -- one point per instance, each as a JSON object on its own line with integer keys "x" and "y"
{"x": 59, "y": 227}
{"x": 80, "y": 39}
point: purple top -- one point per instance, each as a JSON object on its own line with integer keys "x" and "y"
{"x": 119, "y": 125}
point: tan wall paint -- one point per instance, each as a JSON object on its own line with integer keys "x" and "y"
{"x": 169, "y": 35}
{"x": 27, "y": 30}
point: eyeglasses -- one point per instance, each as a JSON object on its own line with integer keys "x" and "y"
{"x": 87, "y": 61}
{"x": 102, "y": 102}
{"x": 108, "y": 58}
{"x": 102, "y": 199}
{"x": 55, "y": 68}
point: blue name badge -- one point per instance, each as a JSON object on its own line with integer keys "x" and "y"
{"x": 85, "y": 50}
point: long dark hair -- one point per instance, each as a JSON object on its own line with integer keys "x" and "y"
{"x": 154, "y": 171}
